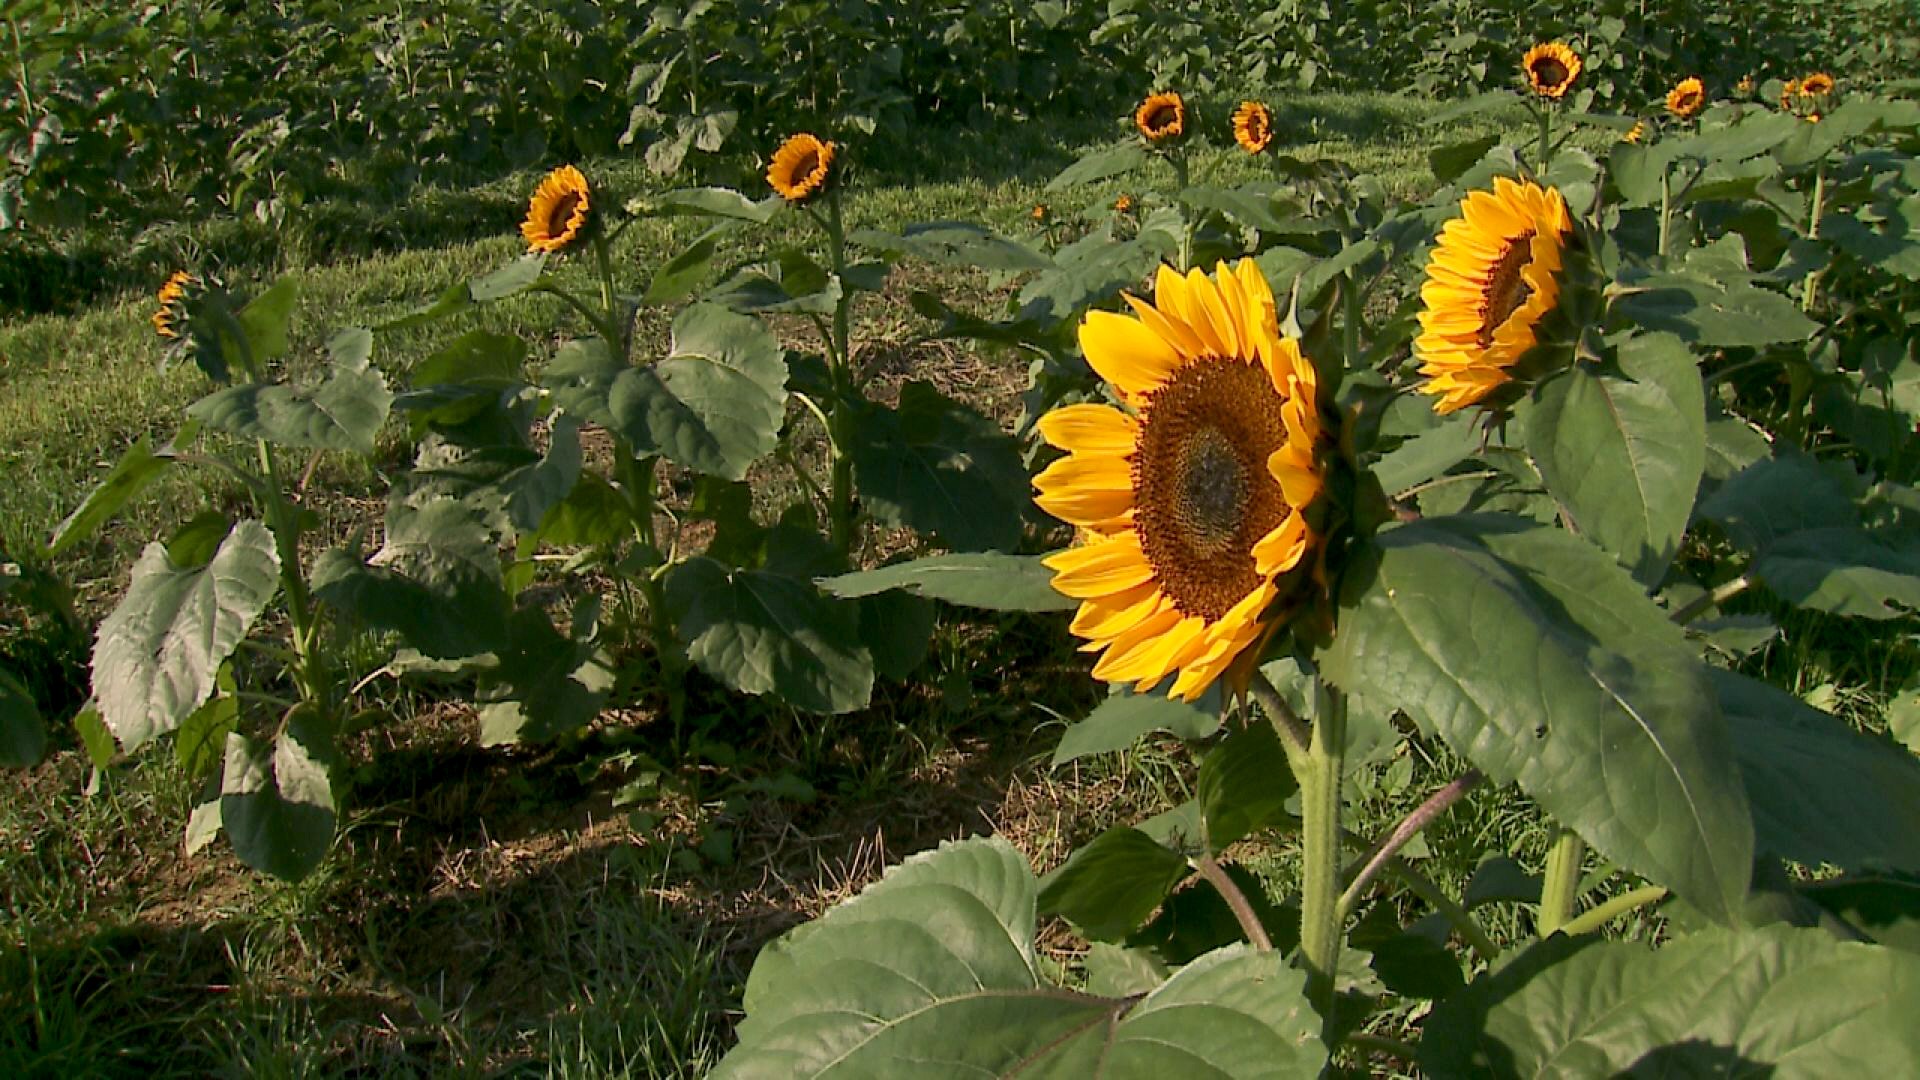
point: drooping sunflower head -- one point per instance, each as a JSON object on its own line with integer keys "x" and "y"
{"x": 1686, "y": 98}
{"x": 1551, "y": 68}
{"x": 170, "y": 320}
{"x": 1195, "y": 500}
{"x": 802, "y": 168}
{"x": 1253, "y": 126}
{"x": 1635, "y": 133}
{"x": 1817, "y": 84}
{"x": 1162, "y": 118}
{"x": 559, "y": 212}
{"x": 1491, "y": 280}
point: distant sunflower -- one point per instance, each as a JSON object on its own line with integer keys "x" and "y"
{"x": 1123, "y": 204}
{"x": 1253, "y": 126}
{"x": 1551, "y": 68}
{"x": 1040, "y": 213}
{"x": 1687, "y": 97}
{"x": 557, "y": 214}
{"x": 1162, "y": 117}
{"x": 801, "y": 168}
{"x": 1489, "y": 282}
{"x": 1816, "y": 84}
{"x": 173, "y": 311}
{"x": 1635, "y": 133}
{"x": 1788, "y": 91}
{"x": 1745, "y": 85}
{"x": 1193, "y": 500}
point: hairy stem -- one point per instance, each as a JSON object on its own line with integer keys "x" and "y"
{"x": 1237, "y": 902}
{"x": 1286, "y": 723}
{"x": 1561, "y": 887}
{"x": 1320, "y": 845}
{"x": 1463, "y": 921}
{"x": 1589, "y": 921}
{"x": 1409, "y": 827}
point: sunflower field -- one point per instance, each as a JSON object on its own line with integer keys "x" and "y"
{"x": 938, "y": 540}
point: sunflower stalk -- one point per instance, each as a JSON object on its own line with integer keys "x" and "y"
{"x": 1319, "y": 780}
{"x": 1810, "y": 286}
{"x": 1560, "y": 890}
{"x": 1410, "y": 826}
{"x": 840, "y": 416}
{"x": 604, "y": 261}
{"x": 637, "y": 478}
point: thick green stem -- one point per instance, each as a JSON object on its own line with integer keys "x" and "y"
{"x": 1545, "y": 157}
{"x": 637, "y": 477}
{"x": 1561, "y": 887}
{"x": 1463, "y": 921}
{"x": 1320, "y": 846}
{"x": 1600, "y": 916}
{"x": 284, "y": 523}
{"x": 607, "y": 303}
{"x": 841, "y": 410}
{"x": 1810, "y": 287}
{"x": 1179, "y": 160}
{"x": 1666, "y": 215}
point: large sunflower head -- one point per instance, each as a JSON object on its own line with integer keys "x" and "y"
{"x": 1196, "y": 499}
{"x": 559, "y": 212}
{"x": 1551, "y": 68}
{"x": 1686, "y": 98}
{"x": 1252, "y": 126}
{"x": 1490, "y": 281}
{"x": 170, "y": 320}
{"x": 1162, "y": 118}
{"x": 801, "y": 168}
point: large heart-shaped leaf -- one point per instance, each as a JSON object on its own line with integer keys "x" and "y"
{"x": 276, "y": 802}
{"x": 986, "y": 579}
{"x": 1538, "y": 659}
{"x": 767, "y": 633}
{"x": 714, "y": 404}
{"x": 1623, "y": 450}
{"x": 343, "y": 413}
{"x": 547, "y": 684}
{"x": 156, "y": 655}
{"x": 1821, "y": 792}
{"x": 931, "y": 973}
{"x": 1846, "y": 571}
{"x": 1112, "y": 885}
{"x": 938, "y": 467}
{"x": 1773, "y": 1001}
{"x": 436, "y": 582}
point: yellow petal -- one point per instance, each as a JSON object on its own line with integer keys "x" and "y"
{"x": 1101, "y": 568}
{"x": 1125, "y": 353}
{"x": 1090, "y": 429}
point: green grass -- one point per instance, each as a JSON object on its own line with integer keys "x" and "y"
{"x": 557, "y": 911}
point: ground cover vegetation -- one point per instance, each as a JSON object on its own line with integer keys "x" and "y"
{"x": 1491, "y": 522}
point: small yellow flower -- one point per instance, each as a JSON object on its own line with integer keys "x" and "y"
{"x": 1685, "y": 100}
{"x": 1490, "y": 281}
{"x": 1635, "y": 133}
{"x": 801, "y": 168}
{"x": 1194, "y": 499}
{"x": 558, "y": 212}
{"x": 1162, "y": 117}
{"x": 1551, "y": 68}
{"x": 1040, "y": 213}
{"x": 1123, "y": 204}
{"x": 173, "y": 294}
{"x": 1253, "y": 126}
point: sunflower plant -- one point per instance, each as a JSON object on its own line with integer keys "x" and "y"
{"x": 1532, "y": 522}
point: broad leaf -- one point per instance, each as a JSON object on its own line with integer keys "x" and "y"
{"x": 436, "y": 582}
{"x": 23, "y": 735}
{"x": 1777, "y": 497}
{"x": 1886, "y": 907}
{"x": 1539, "y": 660}
{"x": 156, "y": 655}
{"x": 1820, "y": 791}
{"x": 1623, "y": 451}
{"x": 1707, "y": 311}
{"x": 1101, "y": 164}
{"x": 1125, "y": 716}
{"x": 1244, "y": 784}
{"x": 276, "y": 802}
{"x": 714, "y": 404}
{"x": 932, "y": 972}
{"x": 343, "y": 413}
{"x": 547, "y": 684}
{"x": 1777, "y": 1000}
{"x": 766, "y": 633}
{"x": 1426, "y": 456}
{"x": 713, "y": 202}
{"x": 986, "y": 579}
{"x": 955, "y": 243}
{"x": 1112, "y": 885}
{"x": 1845, "y": 571}
{"x": 136, "y": 470}
{"x": 936, "y": 466}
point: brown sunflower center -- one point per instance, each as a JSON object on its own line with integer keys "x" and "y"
{"x": 1161, "y": 118}
{"x": 1202, "y": 493}
{"x": 562, "y": 215}
{"x": 1549, "y": 71}
{"x": 1507, "y": 289}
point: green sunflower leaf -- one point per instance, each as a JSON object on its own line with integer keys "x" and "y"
{"x": 985, "y": 579}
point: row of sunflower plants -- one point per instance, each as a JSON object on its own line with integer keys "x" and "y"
{"x": 1539, "y": 500}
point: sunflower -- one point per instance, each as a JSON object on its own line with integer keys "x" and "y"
{"x": 1040, "y": 213}
{"x": 801, "y": 168}
{"x": 1162, "y": 117}
{"x": 1635, "y": 133}
{"x": 1686, "y": 98}
{"x": 1253, "y": 126}
{"x": 1788, "y": 91}
{"x": 1123, "y": 204}
{"x": 1192, "y": 501}
{"x": 1551, "y": 68}
{"x": 173, "y": 311}
{"x": 1745, "y": 86}
{"x": 1816, "y": 84}
{"x": 1490, "y": 281}
{"x": 557, "y": 213}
